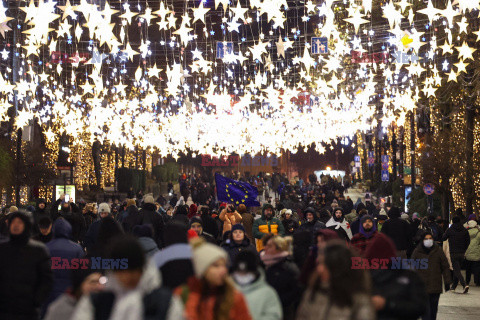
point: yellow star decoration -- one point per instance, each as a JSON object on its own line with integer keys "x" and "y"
{"x": 238, "y": 186}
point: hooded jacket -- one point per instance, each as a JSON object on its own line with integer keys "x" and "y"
{"x": 262, "y": 300}
{"x": 473, "y": 251}
{"x": 25, "y": 274}
{"x": 147, "y": 301}
{"x": 263, "y": 226}
{"x": 61, "y": 247}
{"x": 360, "y": 240}
{"x": 149, "y": 246}
{"x": 437, "y": 267}
{"x": 458, "y": 238}
{"x": 340, "y": 223}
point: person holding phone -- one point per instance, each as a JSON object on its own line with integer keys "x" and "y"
{"x": 230, "y": 217}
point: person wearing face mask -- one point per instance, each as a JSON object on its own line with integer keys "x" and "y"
{"x": 367, "y": 232}
{"x": 438, "y": 267}
{"x": 262, "y": 300}
{"x": 339, "y": 224}
{"x": 25, "y": 274}
{"x": 237, "y": 242}
{"x": 211, "y": 294}
{"x": 265, "y": 225}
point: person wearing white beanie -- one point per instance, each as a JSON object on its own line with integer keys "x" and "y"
{"x": 211, "y": 285}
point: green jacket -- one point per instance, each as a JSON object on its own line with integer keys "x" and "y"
{"x": 473, "y": 251}
{"x": 263, "y": 226}
{"x": 262, "y": 300}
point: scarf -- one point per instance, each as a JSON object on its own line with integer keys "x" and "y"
{"x": 344, "y": 225}
{"x": 271, "y": 259}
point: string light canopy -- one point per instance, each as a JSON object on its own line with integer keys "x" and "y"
{"x": 216, "y": 77}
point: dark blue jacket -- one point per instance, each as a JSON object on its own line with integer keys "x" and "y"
{"x": 61, "y": 246}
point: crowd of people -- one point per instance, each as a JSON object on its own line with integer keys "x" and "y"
{"x": 309, "y": 252}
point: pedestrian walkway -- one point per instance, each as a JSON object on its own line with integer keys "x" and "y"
{"x": 354, "y": 194}
{"x": 459, "y": 306}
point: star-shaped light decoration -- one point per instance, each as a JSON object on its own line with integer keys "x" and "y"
{"x": 430, "y": 11}
{"x": 128, "y": 15}
{"x": 449, "y": 13}
{"x": 147, "y": 15}
{"x": 462, "y": 25}
{"x": 257, "y": 50}
{"x": 461, "y": 66}
{"x": 183, "y": 32}
{"x": 280, "y": 47}
{"x": 224, "y": 3}
{"x": 356, "y": 20}
{"x": 129, "y": 51}
{"x": 154, "y": 71}
{"x": 465, "y": 51}
{"x": 68, "y": 10}
{"x": 239, "y": 12}
{"x": 199, "y": 13}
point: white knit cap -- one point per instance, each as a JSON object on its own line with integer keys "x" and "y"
{"x": 205, "y": 255}
{"x": 103, "y": 207}
{"x": 472, "y": 224}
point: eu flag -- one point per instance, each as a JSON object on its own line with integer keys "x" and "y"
{"x": 236, "y": 192}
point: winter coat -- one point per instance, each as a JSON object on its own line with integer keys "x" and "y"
{"x": 130, "y": 218}
{"x": 148, "y": 245}
{"x": 458, "y": 238}
{"x": 62, "y": 247}
{"x": 399, "y": 231}
{"x": 283, "y": 277}
{"x": 61, "y": 308}
{"x": 191, "y": 294}
{"x": 91, "y": 236}
{"x": 473, "y": 251}
{"x": 116, "y": 303}
{"x": 210, "y": 225}
{"x": 229, "y": 219}
{"x": 404, "y": 292}
{"x": 262, "y": 300}
{"x": 311, "y": 227}
{"x": 322, "y": 308}
{"x": 25, "y": 279}
{"x": 290, "y": 226}
{"x": 148, "y": 215}
{"x": 263, "y": 226}
{"x": 175, "y": 264}
{"x": 437, "y": 267}
{"x": 335, "y": 225}
{"x": 360, "y": 242}
{"x": 233, "y": 248}
{"x": 74, "y": 217}
{"x": 247, "y": 222}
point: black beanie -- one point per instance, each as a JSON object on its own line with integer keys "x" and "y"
{"x": 246, "y": 261}
{"x": 127, "y": 247}
{"x": 175, "y": 232}
{"x": 144, "y": 230}
{"x": 394, "y": 212}
{"x": 456, "y": 219}
{"x": 196, "y": 220}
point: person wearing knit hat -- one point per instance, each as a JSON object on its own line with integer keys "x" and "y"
{"x": 12, "y": 209}
{"x": 25, "y": 273}
{"x": 211, "y": 294}
{"x": 289, "y": 224}
{"x": 237, "y": 242}
{"x": 196, "y": 225}
{"x": 192, "y": 211}
{"x": 263, "y": 301}
{"x": 367, "y": 232}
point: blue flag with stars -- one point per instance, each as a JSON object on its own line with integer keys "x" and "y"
{"x": 236, "y": 192}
